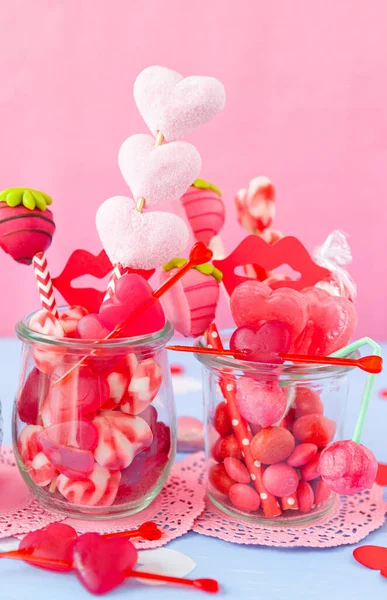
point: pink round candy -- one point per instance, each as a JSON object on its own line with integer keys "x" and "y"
{"x": 260, "y": 402}
{"x": 321, "y": 490}
{"x": 302, "y": 454}
{"x": 310, "y": 471}
{"x": 305, "y": 497}
{"x": 243, "y": 497}
{"x": 307, "y": 402}
{"x": 236, "y": 470}
{"x": 47, "y": 358}
{"x": 314, "y": 429}
{"x": 280, "y": 479}
{"x": 272, "y": 445}
{"x": 348, "y": 467}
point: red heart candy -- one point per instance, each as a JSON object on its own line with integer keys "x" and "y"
{"x": 263, "y": 343}
{"x": 91, "y": 328}
{"x": 54, "y": 542}
{"x": 381, "y": 476}
{"x": 373, "y": 557}
{"x": 253, "y": 303}
{"x": 131, "y": 293}
{"x": 101, "y": 564}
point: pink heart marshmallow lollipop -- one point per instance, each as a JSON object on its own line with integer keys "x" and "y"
{"x": 175, "y": 105}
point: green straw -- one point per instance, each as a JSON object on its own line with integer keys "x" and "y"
{"x": 369, "y": 383}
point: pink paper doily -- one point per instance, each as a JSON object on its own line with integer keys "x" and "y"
{"x": 174, "y": 510}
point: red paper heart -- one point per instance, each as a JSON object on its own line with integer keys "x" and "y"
{"x": 101, "y": 564}
{"x": 373, "y": 557}
{"x": 54, "y": 542}
{"x": 80, "y": 263}
{"x": 381, "y": 476}
{"x": 288, "y": 250}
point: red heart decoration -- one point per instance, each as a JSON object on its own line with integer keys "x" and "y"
{"x": 200, "y": 254}
{"x": 287, "y": 251}
{"x": 54, "y": 542}
{"x": 101, "y": 564}
{"x": 373, "y": 557}
{"x": 82, "y": 262}
{"x": 381, "y": 475}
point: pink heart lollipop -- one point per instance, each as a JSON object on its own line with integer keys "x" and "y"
{"x": 138, "y": 240}
{"x": 158, "y": 173}
{"x": 175, "y": 105}
{"x": 263, "y": 343}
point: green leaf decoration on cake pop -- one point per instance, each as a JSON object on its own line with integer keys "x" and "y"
{"x": 29, "y": 198}
{"x": 202, "y": 184}
{"x": 206, "y": 268}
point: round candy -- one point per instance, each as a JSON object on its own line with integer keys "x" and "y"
{"x": 307, "y": 402}
{"x": 310, "y": 471}
{"x": 222, "y": 422}
{"x": 229, "y": 447}
{"x": 321, "y": 490}
{"x": 243, "y": 497}
{"x": 314, "y": 429}
{"x": 263, "y": 343}
{"x": 260, "y": 402}
{"x": 305, "y": 497}
{"x": 348, "y": 467}
{"x": 280, "y": 479}
{"x": 219, "y": 478}
{"x": 272, "y": 445}
{"x": 302, "y": 454}
{"x": 236, "y": 470}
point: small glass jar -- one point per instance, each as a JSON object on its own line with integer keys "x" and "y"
{"x": 313, "y": 400}
{"x": 94, "y": 428}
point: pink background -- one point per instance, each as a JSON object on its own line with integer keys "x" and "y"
{"x": 307, "y": 103}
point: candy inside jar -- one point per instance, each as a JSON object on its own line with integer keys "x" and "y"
{"x": 94, "y": 436}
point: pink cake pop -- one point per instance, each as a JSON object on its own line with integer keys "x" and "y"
{"x": 205, "y": 210}
{"x": 348, "y": 467}
{"x": 191, "y": 304}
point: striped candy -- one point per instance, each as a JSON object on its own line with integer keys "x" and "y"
{"x": 205, "y": 212}
{"x": 24, "y": 232}
{"x": 44, "y": 283}
{"x": 116, "y": 274}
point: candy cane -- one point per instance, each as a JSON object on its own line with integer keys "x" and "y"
{"x": 270, "y": 505}
{"x": 116, "y": 274}
{"x": 44, "y": 283}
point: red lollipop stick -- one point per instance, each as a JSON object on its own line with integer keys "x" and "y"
{"x": 36, "y": 560}
{"x": 148, "y": 531}
{"x": 206, "y": 585}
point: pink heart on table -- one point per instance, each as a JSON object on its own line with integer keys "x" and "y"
{"x": 253, "y": 303}
{"x": 331, "y": 323}
{"x": 158, "y": 174}
{"x": 175, "y": 105}
{"x": 139, "y": 240}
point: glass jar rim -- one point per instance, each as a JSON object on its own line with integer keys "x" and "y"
{"x": 220, "y": 362}
{"x": 26, "y": 334}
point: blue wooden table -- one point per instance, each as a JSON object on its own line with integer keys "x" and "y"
{"x": 245, "y": 572}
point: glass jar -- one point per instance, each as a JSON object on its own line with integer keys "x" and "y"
{"x": 309, "y": 403}
{"x": 94, "y": 429}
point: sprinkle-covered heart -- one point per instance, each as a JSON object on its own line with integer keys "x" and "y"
{"x": 175, "y": 105}
{"x": 158, "y": 174}
{"x": 139, "y": 240}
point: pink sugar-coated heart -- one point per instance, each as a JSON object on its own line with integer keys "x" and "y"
{"x": 139, "y": 240}
{"x": 90, "y": 328}
{"x": 175, "y": 105}
{"x": 348, "y": 467}
{"x": 54, "y": 542}
{"x": 99, "y": 489}
{"x": 158, "y": 174}
{"x": 131, "y": 293}
{"x": 253, "y": 303}
{"x": 263, "y": 343}
{"x": 260, "y": 402}
{"x": 332, "y": 321}
{"x": 101, "y": 564}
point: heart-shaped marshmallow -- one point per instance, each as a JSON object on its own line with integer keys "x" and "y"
{"x": 158, "y": 174}
{"x": 175, "y": 105}
{"x": 139, "y": 240}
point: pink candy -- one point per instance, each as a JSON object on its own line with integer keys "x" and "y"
{"x": 90, "y": 327}
{"x": 46, "y": 358}
{"x": 34, "y": 460}
{"x": 305, "y": 497}
{"x": 307, "y": 402}
{"x": 33, "y": 392}
{"x": 302, "y": 454}
{"x": 100, "y": 489}
{"x": 280, "y": 479}
{"x": 263, "y": 343}
{"x": 144, "y": 385}
{"x": 260, "y": 402}
{"x": 70, "y": 318}
{"x": 243, "y": 497}
{"x": 310, "y": 470}
{"x": 348, "y": 467}
{"x": 272, "y": 445}
{"x": 236, "y": 470}
{"x": 314, "y": 429}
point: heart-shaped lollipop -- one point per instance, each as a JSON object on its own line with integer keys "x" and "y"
{"x": 158, "y": 173}
{"x": 373, "y": 557}
{"x": 54, "y": 542}
{"x": 175, "y": 105}
{"x": 264, "y": 343}
{"x": 139, "y": 240}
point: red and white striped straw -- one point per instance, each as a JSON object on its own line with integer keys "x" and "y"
{"x": 116, "y": 274}
{"x": 270, "y": 504}
{"x": 44, "y": 283}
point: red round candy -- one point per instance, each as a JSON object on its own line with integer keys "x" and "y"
{"x": 229, "y": 447}
{"x": 348, "y": 467}
{"x": 33, "y": 393}
{"x": 310, "y": 471}
{"x": 305, "y": 497}
{"x": 307, "y": 402}
{"x": 243, "y": 497}
{"x": 222, "y": 422}
{"x": 236, "y": 470}
{"x": 219, "y": 478}
{"x": 216, "y": 455}
{"x": 322, "y": 491}
{"x": 280, "y": 479}
{"x": 314, "y": 429}
{"x": 302, "y": 454}
{"x": 272, "y": 445}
